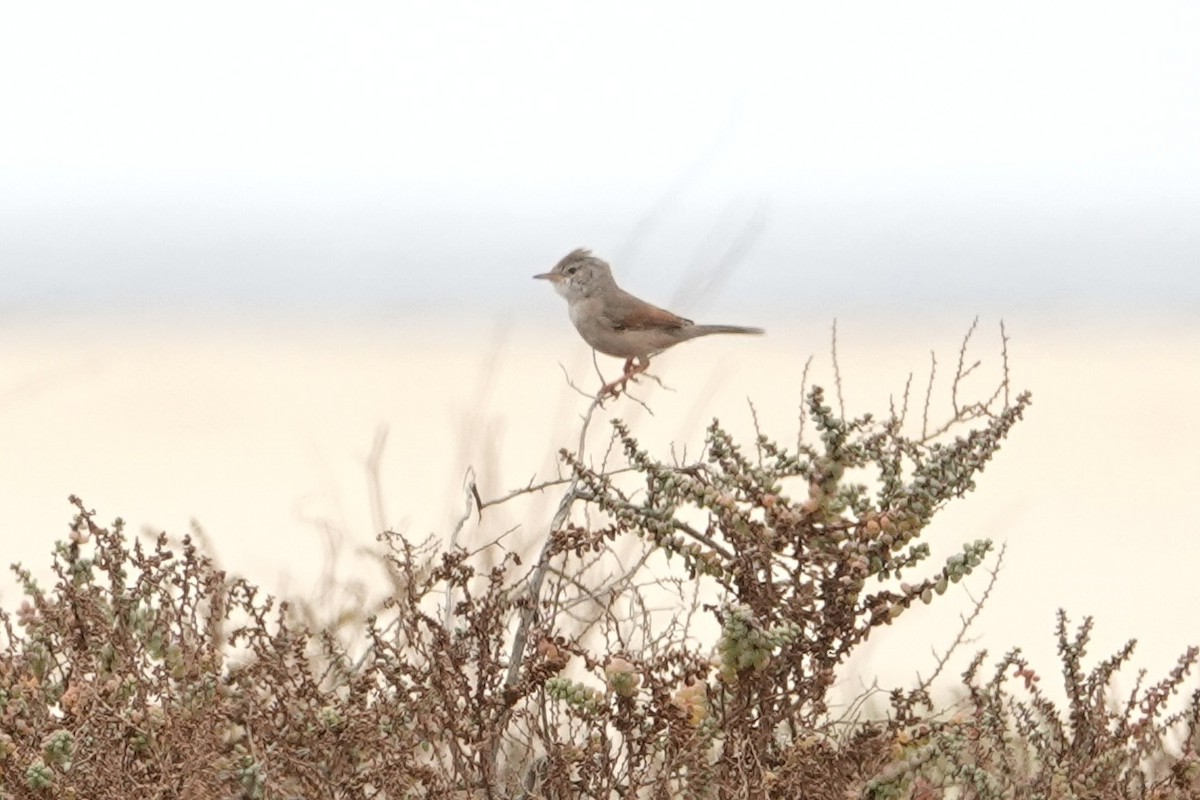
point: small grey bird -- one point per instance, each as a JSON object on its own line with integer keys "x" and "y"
{"x": 615, "y": 322}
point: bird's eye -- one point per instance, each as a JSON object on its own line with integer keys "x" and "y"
{"x": 571, "y": 270}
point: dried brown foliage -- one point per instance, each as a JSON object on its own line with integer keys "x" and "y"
{"x": 677, "y": 635}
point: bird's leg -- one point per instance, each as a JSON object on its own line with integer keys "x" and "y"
{"x": 642, "y": 365}
{"x": 615, "y": 388}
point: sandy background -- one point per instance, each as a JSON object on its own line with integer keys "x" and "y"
{"x": 261, "y": 435}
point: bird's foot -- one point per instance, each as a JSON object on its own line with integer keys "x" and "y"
{"x": 631, "y": 371}
{"x": 612, "y": 389}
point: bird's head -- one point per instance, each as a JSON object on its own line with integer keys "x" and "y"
{"x": 578, "y": 275}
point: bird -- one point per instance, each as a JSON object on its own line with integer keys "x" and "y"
{"x": 615, "y": 322}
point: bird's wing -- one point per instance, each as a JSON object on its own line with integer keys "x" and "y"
{"x": 628, "y": 313}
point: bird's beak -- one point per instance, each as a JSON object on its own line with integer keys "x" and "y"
{"x": 553, "y": 277}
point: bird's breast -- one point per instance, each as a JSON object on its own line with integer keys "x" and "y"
{"x": 582, "y": 310}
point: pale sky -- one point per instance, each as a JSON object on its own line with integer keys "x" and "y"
{"x": 400, "y": 155}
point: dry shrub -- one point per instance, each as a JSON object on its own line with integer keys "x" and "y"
{"x": 677, "y": 635}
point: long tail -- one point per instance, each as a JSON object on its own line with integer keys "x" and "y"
{"x": 705, "y": 330}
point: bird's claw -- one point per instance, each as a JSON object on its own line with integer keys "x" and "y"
{"x": 614, "y": 388}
